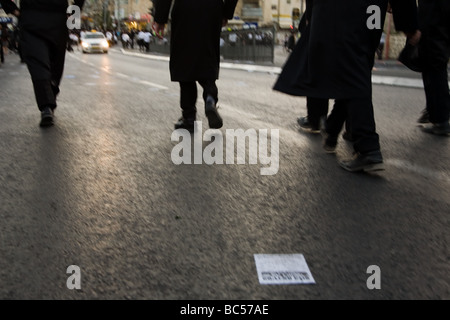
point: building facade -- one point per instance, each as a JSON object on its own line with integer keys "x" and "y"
{"x": 278, "y": 13}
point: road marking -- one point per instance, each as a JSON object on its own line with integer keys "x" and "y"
{"x": 121, "y": 75}
{"x": 151, "y": 84}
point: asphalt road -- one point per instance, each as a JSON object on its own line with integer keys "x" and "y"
{"x": 100, "y": 190}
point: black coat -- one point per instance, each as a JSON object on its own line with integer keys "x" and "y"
{"x": 195, "y": 36}
{"x": 334, "y": 57}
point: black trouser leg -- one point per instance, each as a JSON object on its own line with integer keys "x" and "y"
{"x": 188, "y": 99}
{"x": 437, "y": 94}
{"x": 435, "y": 52}
{"x": 336, "y": 119}
{"x": 44, "y": 53}
{"x": 361, "y": 116}
{"x": 316, "y": 108}
{"x": 209, "y": 89}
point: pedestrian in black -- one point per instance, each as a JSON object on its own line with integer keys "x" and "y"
{"x": 195, "y": 58}
{"x": 317, "y": 108}
{"x": 43, "y": 38}
{"x": 434, "y": 53}
{"x": 335, "y": 61}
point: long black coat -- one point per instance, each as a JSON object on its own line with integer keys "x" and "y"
{"x": 195, "y": 36}
{"x": 334, "y": 57}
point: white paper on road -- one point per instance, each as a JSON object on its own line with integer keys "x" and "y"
{"x": 283, "y": 269}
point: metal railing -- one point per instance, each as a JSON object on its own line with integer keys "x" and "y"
{"x": 245, "y": 45}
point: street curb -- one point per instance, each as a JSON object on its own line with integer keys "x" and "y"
{"x": 376, "y": 79}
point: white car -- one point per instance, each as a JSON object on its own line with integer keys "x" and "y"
{"x": 94, "y": 42}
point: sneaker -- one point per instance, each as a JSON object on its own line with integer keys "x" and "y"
{"x": 367, "y": 162}
{"x": 214, "y": 119}
{"x": 184, "y": 123}
{"x": 425, "y": 117}
{"x": 305, "y": 125}
{"x": 46, "y": 117}
{"x": 440, "y": 129}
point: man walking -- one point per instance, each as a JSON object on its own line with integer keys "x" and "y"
{"x": 44, "y": 36}
{"x": 334, "y": 60}
{"x": 195, "y": 58}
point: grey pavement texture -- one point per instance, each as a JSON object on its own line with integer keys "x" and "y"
{"x": 99, "y": 190}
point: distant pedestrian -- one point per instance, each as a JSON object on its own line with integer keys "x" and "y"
{"x": 74, "y": 40}
{"x": 195, "y": 58}
{"x": 147, "y": 39}
{"x": 125, "y": 40}
{"x": 291, "y": 42}
{"x": 132, "y": 36}
{"x": 44, "y": 36}
{"x": 141, "y": 40}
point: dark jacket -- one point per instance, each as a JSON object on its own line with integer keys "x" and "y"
{"x": 39, "y": 5}
{"x": 195, "y": 36}
{"x": 334, "y": 57}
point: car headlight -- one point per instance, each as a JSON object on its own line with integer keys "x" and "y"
{"x": 85, "y": 44}
{"x": 105, "y": 44}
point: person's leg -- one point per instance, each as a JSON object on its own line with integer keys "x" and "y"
{"x": 188, "y": 99}
{"x": 36, "y": 54}
{"x": 57, "y": 60}
{"x": 210, "y": 96}
{"x": 209, "y": 89}
{"x": 435, "y": 52}
{"x": 316, "y": 108}
{"x": 333, "y": 125}
{"x": 368, "y": 155}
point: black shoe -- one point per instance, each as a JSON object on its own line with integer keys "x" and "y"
{"x": 184, "y": 123}
{"x": 329, "y": 142}
{"x": 214, "y": 119}
{"x": 367, "y": 162}
{"x": 425, "y": 117}
{"x": 440, "y": 129}
{"x": 46, "y": 117}
{"x": 305, "y": 125}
